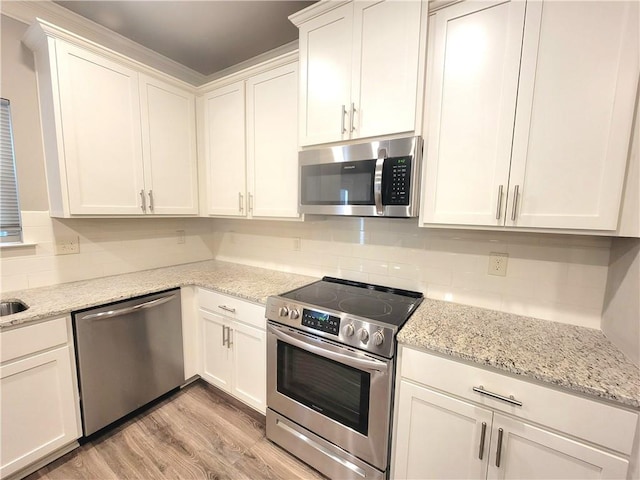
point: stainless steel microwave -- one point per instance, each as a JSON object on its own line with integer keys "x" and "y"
{"x": 373, "y": 179}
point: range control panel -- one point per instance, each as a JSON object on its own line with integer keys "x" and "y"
{"x": 321, "y": 321}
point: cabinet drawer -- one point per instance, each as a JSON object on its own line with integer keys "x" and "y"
{"x": 32, "y": 338}
{"x": 594, "y": 421}
{"x": 232, "y": 307}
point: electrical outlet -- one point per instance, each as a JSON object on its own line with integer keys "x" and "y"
{"x": 68, "y": 246}
{"x": 498, "y": 264}
{"x": 296, "y": 244}
{"x": 180, "y": 235}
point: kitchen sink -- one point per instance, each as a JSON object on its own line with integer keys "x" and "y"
{"x": 11, "y": 307}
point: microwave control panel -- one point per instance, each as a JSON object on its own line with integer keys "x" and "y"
{"x": 397, "y": 181}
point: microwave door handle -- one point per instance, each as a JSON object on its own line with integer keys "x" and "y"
{"x": 359, "y": 363}
{"x": 377, "y": 181}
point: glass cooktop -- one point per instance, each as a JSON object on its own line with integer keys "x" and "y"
{"x": 383, "y": 304}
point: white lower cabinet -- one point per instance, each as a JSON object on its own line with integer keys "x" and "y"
{"x": 234, "y": 347}
{"x": 38, "y": 394}
{"x": 444, "y": 432}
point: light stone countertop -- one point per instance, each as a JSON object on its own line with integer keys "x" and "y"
{"x": 575, "y": 358}
{"x": 250, "y": 283}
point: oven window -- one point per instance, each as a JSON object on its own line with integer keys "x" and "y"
{"x": 338, "y": 391}
{"x": 338, "y": 183}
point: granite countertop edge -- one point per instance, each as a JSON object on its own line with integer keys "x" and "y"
{"x": 505, "y": 342}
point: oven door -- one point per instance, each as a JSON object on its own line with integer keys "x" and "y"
{"x": 340, "y": 394}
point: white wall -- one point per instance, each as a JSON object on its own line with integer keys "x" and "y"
{"x": 107, "y": 247}
{"x": 554, "y": 277}
{"x": 621, "y": 313}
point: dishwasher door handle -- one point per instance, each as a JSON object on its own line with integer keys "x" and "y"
{"x": 125, "y": 311}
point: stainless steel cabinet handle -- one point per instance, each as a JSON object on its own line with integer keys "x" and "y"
{"x": 499, "y": 206}
{"x": 124, "y": 311}
{"x": 150, "y": 200}
{"x": 251, "y": 202}
{"x": 240, "y": 202}
{"x": 499, "y": 447}
{"x": 514, "y": 210}
{"x": 497, "y": 396}
{"x": 228, "y": 309}
{"x": 143, "y": 201}
{"x": 224, "y": 335}
{"x": 342, "y": 114}
{"x": 483, "y": 433}
{"x": 353, "y": 114}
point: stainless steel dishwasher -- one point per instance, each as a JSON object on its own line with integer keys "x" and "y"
{"x": 128, "y": 354}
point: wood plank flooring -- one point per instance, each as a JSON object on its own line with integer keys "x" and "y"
{"x": 197, "y": 433}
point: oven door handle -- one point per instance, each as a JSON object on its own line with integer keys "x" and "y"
{"x": 359, "y": 363}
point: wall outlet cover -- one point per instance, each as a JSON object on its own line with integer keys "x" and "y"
{"x": 498, "y": 264}
{"x": 68, "y": 246}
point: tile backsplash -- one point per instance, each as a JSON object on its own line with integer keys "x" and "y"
{"x": 107, "y": 247}
{"x": 554, "y": 277}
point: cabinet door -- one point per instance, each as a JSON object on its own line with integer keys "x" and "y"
{"x": 38, "y": 408}
{"x": 100, "y": 114}
{"x": 325, "y": 76}
{"x": 438, "y": 436}
{"x": 216, "y": 355}
{"x": 224, "y": 139}
{"x": 579, "y": 77}
{"x": 471, "y": 102}
{"x": 249, "y": 346}
{"x": 169, "y": 147}
{"x": 272, "y": 143}
{"x": 533, "y": 453}
{"x": 386, "y": 36}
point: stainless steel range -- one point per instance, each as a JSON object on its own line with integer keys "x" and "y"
{"x": 330, "y": 373}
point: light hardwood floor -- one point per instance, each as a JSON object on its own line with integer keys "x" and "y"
{"x": 196, "y": 433}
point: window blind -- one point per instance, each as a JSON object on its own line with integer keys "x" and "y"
{"x": 10, "y": 224}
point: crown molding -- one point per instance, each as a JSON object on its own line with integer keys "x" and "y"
{"x": 281, "y": 51}
{"x": 27, "y": 12}
{"x": 315, "y": 10}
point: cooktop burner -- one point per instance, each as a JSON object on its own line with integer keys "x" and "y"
{"x": 384, "y": 304}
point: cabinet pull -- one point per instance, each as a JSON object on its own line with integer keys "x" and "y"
{"x": 342, "y": 127}
{"x": 499, "y": 447}
{"x": 143, "y": 201}
{"x": 353, "y": 114}
{"x": 227, "y": 309}
{"x": 224, "y": 335}
{"x": 515, "y": 202}
{"x": 251, "y": 202}
{"x": 483, "y": 433}
{"x": 240, "y": 201}
{"x": 510, "y": 399}
{"x": 150, "y": 200}
{"x": 499, "y": 206}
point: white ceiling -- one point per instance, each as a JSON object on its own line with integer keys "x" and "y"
{"x": 206, "y": 36}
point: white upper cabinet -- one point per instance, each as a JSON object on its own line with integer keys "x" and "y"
{"x": 360, "y": 69}
{"x": 250, "y": 142}
{"x": 101, "y": 155}
{"x": 224, "y": 147}
{"x": 529, "y": 116}
{"x": 117, "y": 140}
{"x": 272, "y": 143}
{"x": 475, "y": 53}
{"x": 169, "y": 147}
{"x": 579, "y": 77}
